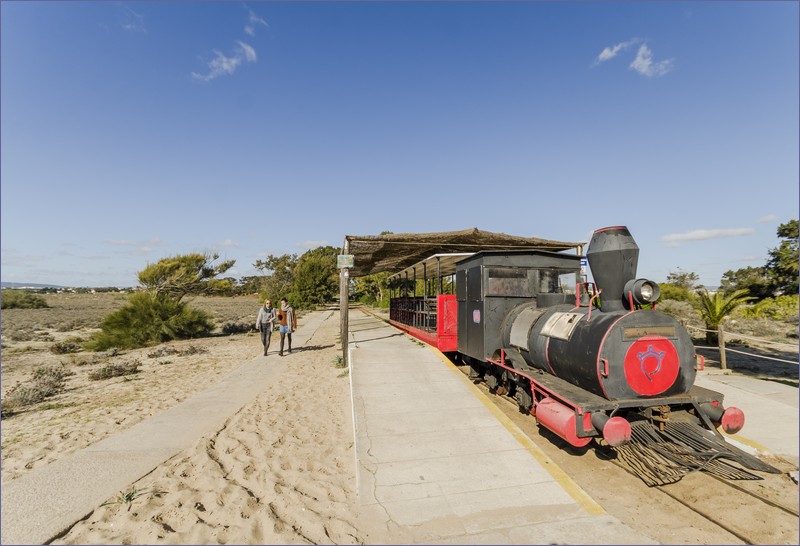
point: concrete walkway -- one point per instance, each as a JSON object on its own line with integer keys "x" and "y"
{"x": 47, "y": 501}
{"x": 437, "y": 461}
{"x": 772, "y": 417}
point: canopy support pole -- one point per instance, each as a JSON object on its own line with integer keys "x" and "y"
{"x": 344, "y": 303}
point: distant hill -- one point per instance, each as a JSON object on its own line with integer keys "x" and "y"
{"x": 5, "y": 284}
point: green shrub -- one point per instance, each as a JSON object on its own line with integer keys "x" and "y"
{"x": 681, "y": 311}
{"x": 673, "y": 292}
{"x": 780, "y": 308}
{"x": 20, "y": 299}
{"x": 148, "y": 319}
{"x": 315, "y": 281}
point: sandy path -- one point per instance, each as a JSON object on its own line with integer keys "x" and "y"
{"x": 281, "y": 470}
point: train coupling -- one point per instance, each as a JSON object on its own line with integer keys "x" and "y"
{"x": 731, "y": 419}
{"x": 616, "y": 431}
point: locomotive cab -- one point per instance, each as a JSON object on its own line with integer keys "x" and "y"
{"x": 490, "y": 284}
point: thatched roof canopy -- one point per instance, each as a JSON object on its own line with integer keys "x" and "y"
{"x": 394, "y": 252}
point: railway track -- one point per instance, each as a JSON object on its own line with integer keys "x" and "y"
{"x": 737, "y": 508}
{"x": 748, "y": 512}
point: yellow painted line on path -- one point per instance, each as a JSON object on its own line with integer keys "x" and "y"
{"x": 751, "y": 443}
{"x": 562, "y": 478}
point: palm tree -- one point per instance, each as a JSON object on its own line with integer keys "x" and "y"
{"x": 714, "y": 308}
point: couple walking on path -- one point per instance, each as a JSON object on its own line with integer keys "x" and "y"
{"x": 284, "y": 316}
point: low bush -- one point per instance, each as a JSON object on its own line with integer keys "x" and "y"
{"x": 69, "y": 345}
{"x": 46, "y": 382}
{"x": 51, "y": 374}
{"x": 192, "y": 350}
{"x": 682, "y": 311}
{"x": 30, "y": 335}
{"x": 230, "y": 328}
{"x": 20, "y": 299}
{"x": 162, "y": 351}
{"x": 780, "y": 308}
{"x": 187, "y": 351}
{"x": 148, "y": 319}
{"x": 115, "y": 370}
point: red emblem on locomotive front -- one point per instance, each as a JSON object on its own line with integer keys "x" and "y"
{"x": 651, "y": 365}
{"x": 648, "y": 359}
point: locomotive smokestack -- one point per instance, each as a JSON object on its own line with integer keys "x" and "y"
{"x": 613, "y": 256}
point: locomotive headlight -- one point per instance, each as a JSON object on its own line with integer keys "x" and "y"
{"x": 643, "y": 290}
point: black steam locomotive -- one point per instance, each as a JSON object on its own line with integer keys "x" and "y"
{"x": 594, "y": 360}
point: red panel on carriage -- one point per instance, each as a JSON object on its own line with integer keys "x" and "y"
{"x": 447, "y": 323}
{"x": 438, "y": 328}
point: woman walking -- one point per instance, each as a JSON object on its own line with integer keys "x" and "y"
{"x": 264, "y": 323}
{"x": 288, "y": 323}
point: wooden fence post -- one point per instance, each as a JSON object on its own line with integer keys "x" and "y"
{"x": 723, "y": 364}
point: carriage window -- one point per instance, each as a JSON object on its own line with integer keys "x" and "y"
{"x": 548, "y": 282}
{"x": 556, "y": 281}
{"x": 567, "y": 282}
{"x": 508, "y": 282}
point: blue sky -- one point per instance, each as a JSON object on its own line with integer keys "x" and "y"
{"x": 135, "y": 131}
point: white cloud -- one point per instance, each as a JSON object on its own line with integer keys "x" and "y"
{"x": 767, "y": 219}
{"x": 222, "y": 65}
{"x": 612, "y": 51}
{"x": 218, "y": 66}
{"x": 674, "y": 239}
{"x": 131, "y": 21}
{"x": 253, "y": 20}
{"x": 13, "y": 258}
{"x": 308, "y": 245}
{"x": 227, "y": 243}
{"x": 644, "y": 65}
{"x": 139, "y": 248}
{"x": 249, "y": 52}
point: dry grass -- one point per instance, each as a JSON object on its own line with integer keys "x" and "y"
{"x": 82, "y": 312}
{"x": 115, "y": 370}
{"x": 46, "y": 381}
{"x": 77, "y": 411}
